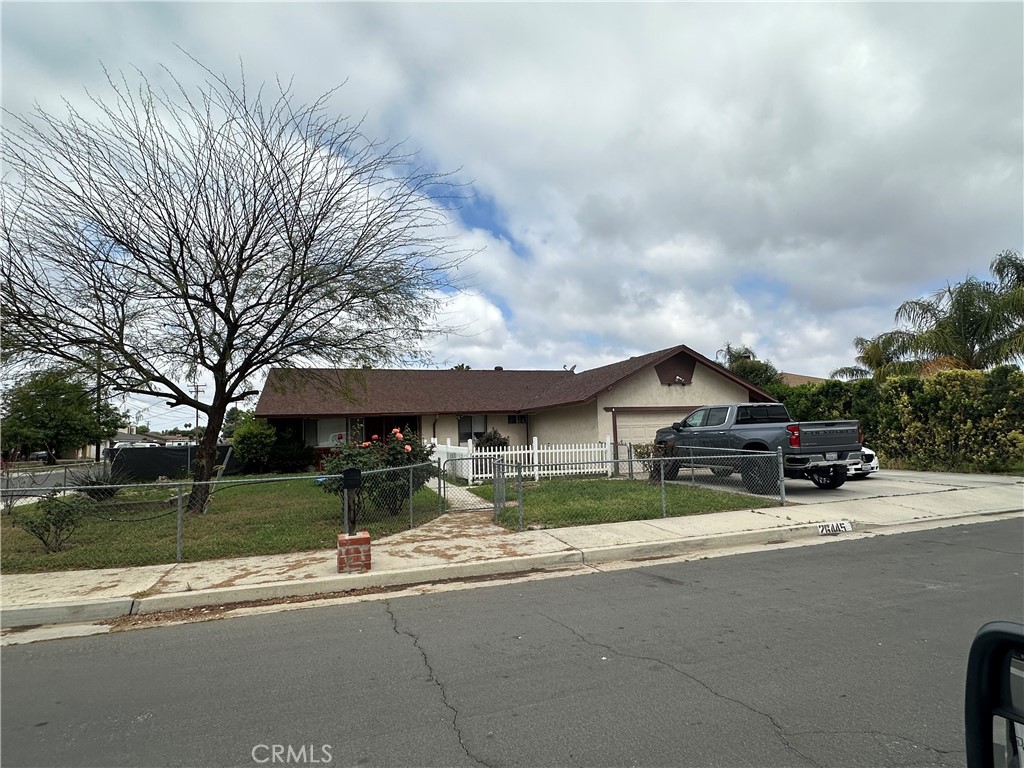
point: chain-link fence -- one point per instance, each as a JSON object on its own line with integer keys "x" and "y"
{"x": 756, "y": 472}
{"x": 97, "y": 523}
{"x": 643, "y": 487}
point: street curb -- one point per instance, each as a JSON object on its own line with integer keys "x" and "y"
{"x": 78, "y": 611}
{"x": 348, "y": 582}
{"x": 684, "y": 546}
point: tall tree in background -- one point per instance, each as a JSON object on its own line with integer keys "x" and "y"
{"x": 234, "y": 418}
{"x": 729, "y": 354}
{"x": 203, "y": 234}
{"x": 742, "y": 361}
{"x": 972, "y": 325}
{"x": 54, "y": 411}
{"x": 876, "y": 359}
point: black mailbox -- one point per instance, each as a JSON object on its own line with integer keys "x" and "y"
{"x": 351, "y": 478}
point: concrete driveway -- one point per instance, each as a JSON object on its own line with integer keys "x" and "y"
{"x": 893, "y": 482}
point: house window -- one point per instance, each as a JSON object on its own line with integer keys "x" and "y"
{"x": 471, "y": 428}
{"x": 517, "y": 419}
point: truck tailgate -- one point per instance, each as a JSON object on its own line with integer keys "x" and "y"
{"x": 829, "y": 435}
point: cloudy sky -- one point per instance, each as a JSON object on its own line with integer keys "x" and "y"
{"x": 780, "y": 175}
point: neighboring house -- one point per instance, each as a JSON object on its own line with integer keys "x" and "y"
{"x": 125, "y": 438}
{"x": 796, "y": 379}
{"x": 627, "y": 401}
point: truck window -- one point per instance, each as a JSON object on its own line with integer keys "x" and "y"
{"x": 762, "y": 414}
{"x": 716, "y": 417}
{"x": 695, "y": 419}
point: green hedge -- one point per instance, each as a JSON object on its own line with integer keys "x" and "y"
{"x": 968, "y": 421}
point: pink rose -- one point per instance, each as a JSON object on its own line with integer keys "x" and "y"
{"x": 395, "y": 431}
{"x": 398, "y": 436}
{"x": 366, "y": 445}
{"x": 408, "y": 449}
{"x": 375, "y": 437}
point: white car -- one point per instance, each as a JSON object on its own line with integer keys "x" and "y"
{"x": 868, "y": 464}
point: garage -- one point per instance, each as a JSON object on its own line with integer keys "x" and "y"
{"x": 639, "y": 427}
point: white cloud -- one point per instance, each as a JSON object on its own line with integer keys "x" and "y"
{"x": 779, "y": 175}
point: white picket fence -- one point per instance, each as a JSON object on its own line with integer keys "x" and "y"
{"x": 475, "y": 464}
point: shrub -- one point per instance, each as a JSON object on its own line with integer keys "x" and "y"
{"x": 492, "y": 439}
{"x": 254, "y": 441}
{"x": 385, "y": 492}
{"x": 53, "y": 520}
{"x": 102, "y": 481}
{"x": 291, "y": 457}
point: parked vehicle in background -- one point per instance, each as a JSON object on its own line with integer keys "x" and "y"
{"x": 868, "y": 464}
{"x": 38, "y": 456}
{"x": 820, "y": 451}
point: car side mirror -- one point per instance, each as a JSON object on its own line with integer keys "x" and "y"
{"x": 677, "y": 426}
{"x": 994, "y": 697}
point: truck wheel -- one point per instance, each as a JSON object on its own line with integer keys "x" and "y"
{"x": 828, "y": 479}
{"x": 671, "y": 468}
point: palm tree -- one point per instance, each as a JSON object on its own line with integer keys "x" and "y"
{"x": 876, "y": 359}
{"x": 729, "y": 355}
{"x": 973, "y": 325}
{"x": 460, "y": 367}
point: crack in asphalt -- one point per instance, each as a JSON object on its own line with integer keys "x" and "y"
{"x": 778, "y": 728}
{"x": 433, "y": 678}
{"x": 876, "y": 735}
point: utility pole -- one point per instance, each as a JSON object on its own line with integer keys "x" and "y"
{"x": 197, "y": 389}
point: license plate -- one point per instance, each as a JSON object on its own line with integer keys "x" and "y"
{"x": 831, "y": 456}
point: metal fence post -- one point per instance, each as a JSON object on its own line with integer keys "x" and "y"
{"x": 410, "y": 499}
{"x": 519, "y": 488}
{"x": 344, "y": 510}
{"x": 664, "y": 510}
{"x": 782, "y": 477}
{"x": 181, "y": 521}
{"x": 629, "y": 458}
{"x": 440, "y": 487}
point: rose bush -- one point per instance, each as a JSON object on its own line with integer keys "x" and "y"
{"x": 390, "y": 463}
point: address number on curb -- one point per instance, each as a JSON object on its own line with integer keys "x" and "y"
{"x": 834, "y": 529}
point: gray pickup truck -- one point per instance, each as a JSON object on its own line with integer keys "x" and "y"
{"x": 819, "y": 451}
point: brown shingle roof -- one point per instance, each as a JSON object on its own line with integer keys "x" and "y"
{"x": 796, "y": 379}
{"x": 364, "y": 392}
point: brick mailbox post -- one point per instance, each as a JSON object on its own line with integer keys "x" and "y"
{"x": 353, "y": 552}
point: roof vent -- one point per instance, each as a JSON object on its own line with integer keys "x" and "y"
{"x": 498, "y": 368}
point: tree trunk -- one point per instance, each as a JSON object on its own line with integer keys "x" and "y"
{"x": 206, "y": 460}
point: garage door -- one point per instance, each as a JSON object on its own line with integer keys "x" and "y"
{"x": 640, "y": 427}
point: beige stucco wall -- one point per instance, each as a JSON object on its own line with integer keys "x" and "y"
{"x": 645, "y": 390}
{"x": 572, "y": 424}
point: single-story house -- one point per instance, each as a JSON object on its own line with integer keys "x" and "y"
{"x": 627, "y": 401}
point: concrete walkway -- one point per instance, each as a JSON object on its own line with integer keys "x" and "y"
{"x": 466, "y": 544}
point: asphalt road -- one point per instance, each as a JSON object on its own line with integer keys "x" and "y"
{"x": 893, "y": 482}
{"x": 844, "y": 654}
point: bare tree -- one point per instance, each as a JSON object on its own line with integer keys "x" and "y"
{"x": 206, "y": 233}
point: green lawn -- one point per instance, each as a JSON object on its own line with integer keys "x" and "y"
{"x": 255, "y": 519}
{"x": 558, "y": 503}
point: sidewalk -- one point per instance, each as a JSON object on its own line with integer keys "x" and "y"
{"x": 466, "y": 544}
